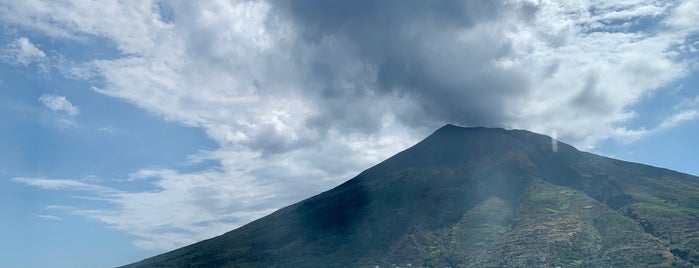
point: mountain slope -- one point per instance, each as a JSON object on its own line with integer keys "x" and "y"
{"x": 475, "y": 197}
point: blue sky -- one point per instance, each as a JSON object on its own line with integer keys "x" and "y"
{"x": 133, "y": 128}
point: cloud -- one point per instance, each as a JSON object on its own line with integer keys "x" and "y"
{"x": 109, "y": 130}
{"x": 49, "y": 217}
{"x": 678, "y": 118}
{"x": 56, "y": 184}
{"x": 684, "y": 16}
{"x": 670, "y": 122}
{"x": 688, "y": 103}
{"x": 183, "y": 208}
{"x": 59, "y": 104}
{"x": 23, "y": 52}
{"x": 60, "y": 20}
{"x": 284, "y": 86}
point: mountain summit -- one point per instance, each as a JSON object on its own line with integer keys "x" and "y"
{"x": 475, "y": 197}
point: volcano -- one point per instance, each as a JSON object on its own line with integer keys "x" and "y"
{"x": 475, "y": 197}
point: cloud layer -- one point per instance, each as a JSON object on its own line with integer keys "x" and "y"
{"x": 300, "y": 95}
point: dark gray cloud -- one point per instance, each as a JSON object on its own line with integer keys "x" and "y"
{"x": 439, "y": 55}
{"x": 374, "y": 22}
{"x": 589, "y": 98}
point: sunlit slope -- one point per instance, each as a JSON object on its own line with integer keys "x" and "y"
{"x": 475, "y": 197}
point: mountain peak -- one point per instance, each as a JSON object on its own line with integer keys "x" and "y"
{"x": 454, "y": 128}
{"x": 454, "y": 145}
{"x": 485, "y": 134}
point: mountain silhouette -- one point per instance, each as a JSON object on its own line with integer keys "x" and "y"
{"x": 475, "y": 197}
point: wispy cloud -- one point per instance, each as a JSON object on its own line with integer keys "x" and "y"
{"x": 59, "y": 104}
{"x": 48, "y": 217}
{"x": 108, "y": 129}
{"x": 23, "y": 52}
{"x": 628, "y": 136}
{"x": 181, "y": 208}
{"x": 678, "y": 118}
{"x": 58, "y": 184}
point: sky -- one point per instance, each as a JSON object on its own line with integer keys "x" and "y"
{"x": 131, "y": 128}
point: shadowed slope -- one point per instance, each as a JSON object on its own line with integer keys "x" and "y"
{"x": 475, "y": 197}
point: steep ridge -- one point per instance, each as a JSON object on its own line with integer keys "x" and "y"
{"x": 475, "y": 197}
